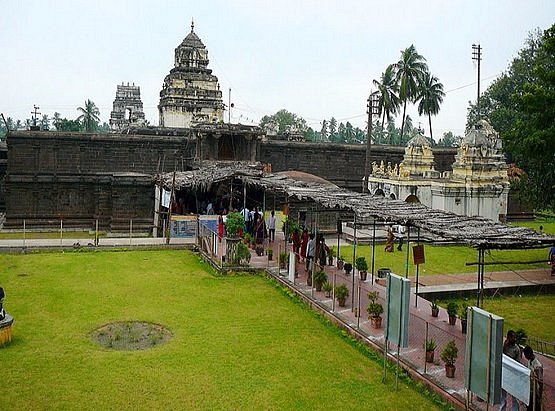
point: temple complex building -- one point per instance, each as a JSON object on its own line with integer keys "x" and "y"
{"x": 190, "y": 94}
{"x": 478, "y": 184}
{"x": 128, "y": 108}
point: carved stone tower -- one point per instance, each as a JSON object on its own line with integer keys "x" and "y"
{"x": 190, "y": 94}
{"x": 128, "y": 108}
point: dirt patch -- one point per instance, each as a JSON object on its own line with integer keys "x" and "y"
{"x": 131, "y": 335}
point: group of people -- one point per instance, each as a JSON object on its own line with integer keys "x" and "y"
{"x": 312, "y": 248}
{"x": 512, "y": 350}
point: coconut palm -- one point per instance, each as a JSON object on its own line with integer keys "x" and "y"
{"x": 430, "y": 96}
{"x": 408, "y": 74}
{"x": 90, "y": 116}
{"x": 387, "y": 87}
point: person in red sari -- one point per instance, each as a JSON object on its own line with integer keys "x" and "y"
{"x": 304, "y": 242}
{"x": 220, "y": 227}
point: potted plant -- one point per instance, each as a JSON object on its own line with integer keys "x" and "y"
{"x": 233, "y": 222}
{"x": 341, "y": 293}
{"x": 430, "y": 346}
{"x": 282, "y": 259}
{"x": 452, "y": 310}
{"x": 247, "y": 239}
{"x": 243, "y": 255}
{"x": 331, "y": 254}
{"x": 435, "y": 308}
{"x": 259, "y": 250}
{"x": 449, "y": 356}
{"x": 375, "y": 310}
{"x": 327, "y": 287}
{"x": 463, "y": 317}
{"x": 319, "y": 278}
{"x": 340, "y": 263}
{"x": 362, "y": 267}
{"x": 348, "y": 268}
{"x": 270, "y": 254}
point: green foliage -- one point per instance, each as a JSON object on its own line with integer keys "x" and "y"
{"x": 234, "y": 221}
{"x": 243, "y": 254}
{"x": 90, "y": 116}
{"x": 341, "y": 291}
{"x": 434, "y": 305}
{"x": 452, "y": 308}
{"x": 291, "y": 226}
{"x": 464, "y": 309}
{"x": 521, "y": 336}
{"x": 320, "y": 277}
{"x": 374, "y": 308}
{"x": 520, "y": 105}
{"x": 327, "y": 286}
{"x": 285, "y": 122}
{"x": 450, "y": 353}
{"x": 361, "y": 264}
{"x": 449, "y": 140}
{"x": 283, "y": 257}
{"x": 430, "y": 345}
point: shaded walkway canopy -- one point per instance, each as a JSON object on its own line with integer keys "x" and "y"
{"x": 477, "y": 232}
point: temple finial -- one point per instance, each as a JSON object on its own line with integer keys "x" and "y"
{"x": 192, "y": 25}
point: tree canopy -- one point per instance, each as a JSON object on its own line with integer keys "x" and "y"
{"x": 520, "y": 105}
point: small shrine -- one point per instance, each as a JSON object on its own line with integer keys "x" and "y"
{"x": 477, "y": 186}
{"x": 6, "y": 321}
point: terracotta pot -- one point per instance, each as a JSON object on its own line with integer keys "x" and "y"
{"x": 463, "y": 325}
{"x": 340, "y": 265}
{"x": 449, "y": 371}
{"x": 309, "y": 279}
{"x": 318, "y": 286}
{"x": 452, "y": 319}
{"x": 435, "y": 312}
{"x": 363, "y": 275}
{"x": 341, "y": 302}
{"x": 430, "y": 356}
{"x": 376, "y": 322}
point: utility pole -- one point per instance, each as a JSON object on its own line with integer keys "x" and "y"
{"x": 477, "y": 55}
{"x": 373, "y": 108}
{"x": 35, "y": 113}
{"x": 230, "y": 106}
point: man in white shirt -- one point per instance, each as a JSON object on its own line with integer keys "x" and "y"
{"x": 271, "y": 224}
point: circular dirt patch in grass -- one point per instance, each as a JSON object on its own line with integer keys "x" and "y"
{"x": 131, "y": 335}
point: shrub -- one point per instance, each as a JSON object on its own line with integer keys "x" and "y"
{"x": 234, "y": 221}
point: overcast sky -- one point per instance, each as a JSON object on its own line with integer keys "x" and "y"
{"x": 316, "y": 58}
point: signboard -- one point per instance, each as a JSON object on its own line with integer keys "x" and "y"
{"x": 210, "y": 221}
{"x": 483, "y": 354}
{"x": 397, "y": 310}
{"x": 418, "y": 254}
{"x": 183, "y": 226}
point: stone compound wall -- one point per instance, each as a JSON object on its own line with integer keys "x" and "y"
{"x": 83, "y": 176}
{"x": 339, "y": 163}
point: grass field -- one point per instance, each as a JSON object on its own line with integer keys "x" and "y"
{"x": 442, "y": 259}
{"x": 238, "y": 342}
{"x": 533, "y": 313}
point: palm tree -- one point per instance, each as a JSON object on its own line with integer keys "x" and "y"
{"x": 90, "y": 116}
{"x": 408, "y": 74}
{"x": 387, "y": 87}
{"x": 430, "y": 96}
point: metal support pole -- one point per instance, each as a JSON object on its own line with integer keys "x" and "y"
{"x": 408, "y": 252}
{"x": 130, "y": 230}
{"x": 425, "y": 343}
{"x": 373, "y": 247}
{"x": 96, "y": 233}
{"x": 417, "y": 271}
{"x": 23, "y": 233}
{"x": 358, "y": 307}
{"x": 61, "y": 232}
{"x": 354, "y": 258}
{"x": 333, "y": 293}
{"x": 478, "y": 285}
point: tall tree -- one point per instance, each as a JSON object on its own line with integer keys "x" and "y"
{"x": 90, "y": 116}
{"x": 44, "y": 122}
{"x": 430, "y": 96}
{"x": 332, "y": 127}
{"x": 285, "y": 121}
{"x": 408, "y": 74}
{"x": 388, "y": 88}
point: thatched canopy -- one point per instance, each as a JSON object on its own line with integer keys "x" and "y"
{"x": 477, "y": 232}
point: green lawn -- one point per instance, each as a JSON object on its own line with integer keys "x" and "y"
{"x": 442, "y": 259}
{"x": 532, "y": 313}
{"x": 238, "y": 342}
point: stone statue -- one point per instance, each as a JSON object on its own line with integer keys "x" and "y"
{"x": 2, "y": 312}
{"x": 382, "y": 167}
{"x": 374, "y": 168}
{"x": 389, "y": 169}
{"x": 390, "y": 240}
{"x": 395, "y": 170}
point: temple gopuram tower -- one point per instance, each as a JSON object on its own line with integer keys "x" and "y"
{"x": 190, "y": 94}
{"x": 128, "y": 108}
